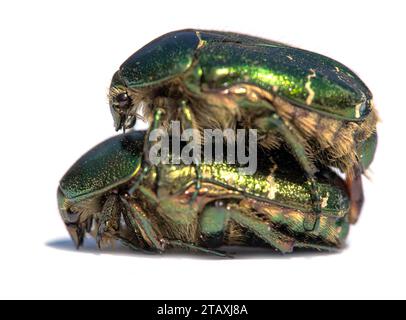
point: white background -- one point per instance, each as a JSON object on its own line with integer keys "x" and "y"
{"x": 56, "y": 62}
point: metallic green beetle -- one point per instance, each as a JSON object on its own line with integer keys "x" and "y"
{"x": 209, "y": 79}
{"x": 266, "y": 209}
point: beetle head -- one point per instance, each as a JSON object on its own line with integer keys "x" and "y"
{"x": 70, "y": 219}
{"x": 121, "y": 104}
{"x": 155, "y": 64}
{"x": 75, "y": 221}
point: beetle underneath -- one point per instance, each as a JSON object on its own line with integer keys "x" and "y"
{"x": 267, "y": 209}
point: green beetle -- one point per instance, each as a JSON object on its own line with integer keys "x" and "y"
{"x": 266, "y": 209}
{"x": 209, "y": 79}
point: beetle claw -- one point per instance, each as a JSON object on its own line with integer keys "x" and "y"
{"x": 77, "y": 233}
{"x": 100, "y": 232}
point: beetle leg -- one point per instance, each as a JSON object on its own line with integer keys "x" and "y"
{"x": 109, "y": 219}
{"x": 198, "y": 185}
{"x": 263, "y": 230}
{"x": 318, "y": 247}
{"x": 130, "y": 244}
{"x": 189, "y": 122}
{"x": 214, "y": 221}
{"x": 150, "y": 195}
{"x": 293, "y": 138}
{"x": 354, "y": 185}
{"x": 77, "y": 233}
{"x": 139, "y": 180}
{"x": 156, "y": 123}
{"x": 138, "y": 221}
{"x": 332, "y": 231}
{"x": 181, "y": 244}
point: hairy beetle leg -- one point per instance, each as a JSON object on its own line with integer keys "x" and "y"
{"x": 109, "y": 221}
{"x": 264, "y": 231}
{"x": 295, "y": 142}
{"x": 355, "y": 189}
{"x": 138, "y": 221}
